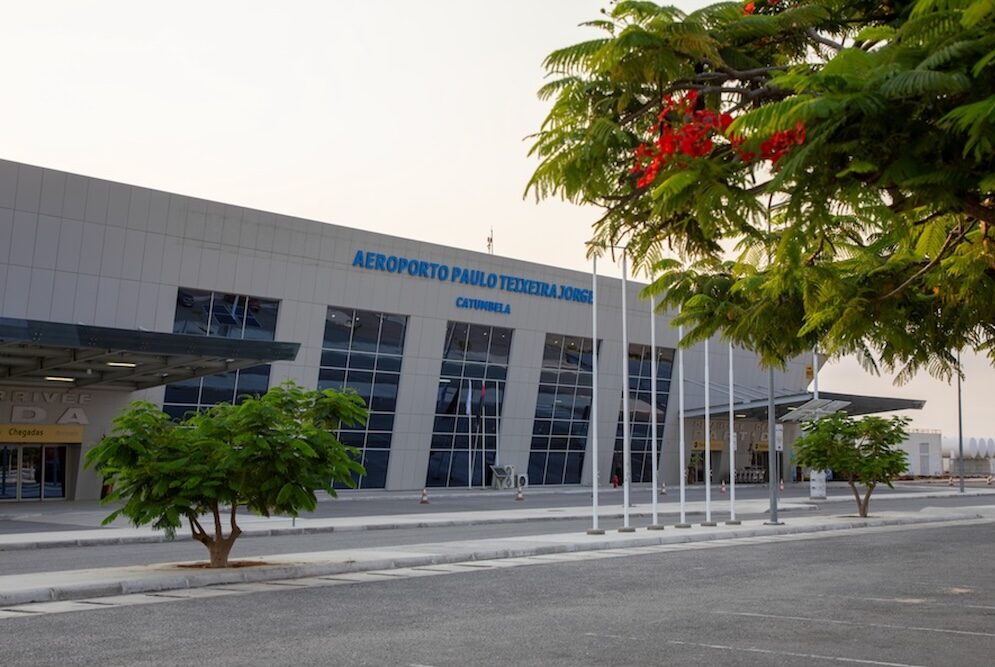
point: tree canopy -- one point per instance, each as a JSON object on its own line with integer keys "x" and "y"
{"x": 792, "y": 173}
{"x": 268, "y": 454}
{"x": 858, "y": 451}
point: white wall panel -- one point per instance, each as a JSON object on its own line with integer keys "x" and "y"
{"x": 28, "y": 188}
{"x": 53, "y": 189}
{"x": 22, "y": 241}
{"x": 15, "y": 297}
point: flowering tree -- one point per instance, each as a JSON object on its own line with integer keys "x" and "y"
{"x": 819, "y": 172}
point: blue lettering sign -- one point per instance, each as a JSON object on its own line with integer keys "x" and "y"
{"x": 452, "y": 273}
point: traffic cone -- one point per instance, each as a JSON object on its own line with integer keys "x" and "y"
{"x": 723, "y": 486}
{"x": 519, "y": 495}
{"x": 781, "y": 485}
{"x": 950, "y": 480}
{"x": 424, "y": 497}
{"x": 663, "y": 489}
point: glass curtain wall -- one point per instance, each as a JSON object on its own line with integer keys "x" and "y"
{"x": 640, "y": 410}
{"x": 202, "y": 313}
{"x": 563, "y": 411}
{"x": 362, "y": 350}
{"x": 474, "y": 370}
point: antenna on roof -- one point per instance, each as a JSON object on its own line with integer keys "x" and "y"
{"x": 490, "y": 242}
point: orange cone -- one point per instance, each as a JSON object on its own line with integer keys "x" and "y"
{"x": 781, "y": 485}
{"x": 950, "y": 480}
{"x": 424, "y": 497}
{"x": 723, "y": 486}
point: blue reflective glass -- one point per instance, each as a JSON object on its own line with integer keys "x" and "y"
{"x": 375, "y": 462}
{"x": 575, "y": 464}
{"x": 438, "y": 468}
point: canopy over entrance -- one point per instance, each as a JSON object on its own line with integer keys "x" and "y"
{"x": 56, "y": 354}
{"x": 785, "y": 404}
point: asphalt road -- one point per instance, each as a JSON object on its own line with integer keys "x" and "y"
{"x": 71, "y": 558}
{"x": 899, "y": 598}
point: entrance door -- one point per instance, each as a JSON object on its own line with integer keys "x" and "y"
{"x": 32, "y": 472}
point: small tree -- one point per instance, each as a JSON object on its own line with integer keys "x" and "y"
{"x": 269, "y": 454}
{"x": 860, "y": 451}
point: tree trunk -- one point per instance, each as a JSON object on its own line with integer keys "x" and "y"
{"x": 856, "y": 494}
{"x": 865, "y": 505}
{"x": 219, "y": 547}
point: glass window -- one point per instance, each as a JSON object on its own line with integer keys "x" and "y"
{"x": 357, "y": 342}
{"x": 473, "y": 371}
{"x": 365, "y": 331}
{"x": 338, "y": 329}
{"x": 562, "y": 410}
{"x": 222, "y": 315}
{"x": 192, "y": 310}
{"x": 640, "y": 409}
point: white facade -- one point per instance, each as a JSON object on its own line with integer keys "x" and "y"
{"x": 76, "y": 249}
{"x": 924, "y": 453}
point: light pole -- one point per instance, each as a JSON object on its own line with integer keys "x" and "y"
{"x": 626, "y": 444}
{"x": 656, "y": 523}
{"x": 595, "y": 530}
{"x": 960, "y": 427}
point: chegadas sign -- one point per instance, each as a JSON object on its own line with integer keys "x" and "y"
{"x": 40, "y": 433}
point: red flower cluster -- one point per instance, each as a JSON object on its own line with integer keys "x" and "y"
{"x": 681, "y": 130}
{"x": 749, "y": 8}
{"x": 779, "y": 143}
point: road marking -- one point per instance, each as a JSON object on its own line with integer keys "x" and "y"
{"x": 862, "y": 624}
{"x": 765, "y": 651}
{"x": 177, "y": 595}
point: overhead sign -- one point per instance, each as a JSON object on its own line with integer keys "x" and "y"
{"x": 462, "y": 275}
{"x": 40, "y": 433}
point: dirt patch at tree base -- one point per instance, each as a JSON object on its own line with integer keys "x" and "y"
{"x": 232, "y": 564}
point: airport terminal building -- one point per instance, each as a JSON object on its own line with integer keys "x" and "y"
{"x": 111, "y": 293}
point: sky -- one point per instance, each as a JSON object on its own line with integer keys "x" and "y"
{"x": 399, "y": 117}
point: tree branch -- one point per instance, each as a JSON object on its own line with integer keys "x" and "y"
{"x": 825, "y": 41}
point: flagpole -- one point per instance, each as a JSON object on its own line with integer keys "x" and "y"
{"x": 732, "y": 449}
{"x": 708, "y": 443}
{"x": 656, "y": 523}
{"x": 594, "y": 400}
{"x": 469, "y": 430}
{"x": 483, "y": 434}
{"x": 626, "y": 445}
{"x": 682, "y": 465}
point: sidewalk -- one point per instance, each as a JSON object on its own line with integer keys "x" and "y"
{"x": 98, "y": 582}
{"x": 90, "y": 533}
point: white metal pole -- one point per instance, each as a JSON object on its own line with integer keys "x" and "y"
{"x": 708, "y": 443}
{"x": 815, "y": 374}
{"x": 682, "y": 463}
{"x": 656, "y": 523}
{"x": 469, "y": 429}
{"x": 594, "y": 401}
{"x": 626, "y": 445}
{"x": 483, "y": 434}
{"x": 732, "y": 447}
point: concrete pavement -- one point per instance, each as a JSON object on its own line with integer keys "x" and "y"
{"x": 96, "y": 582}
{"x": 49, "y": 520}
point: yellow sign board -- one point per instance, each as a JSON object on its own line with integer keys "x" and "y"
{"x": 761, "y": 446}
{"x": 699, "y": 445}
{"x": 40, "y": 433}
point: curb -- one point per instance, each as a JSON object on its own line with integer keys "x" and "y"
{"x": 98, "y": 540}
{"x": 163, "y": 577}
